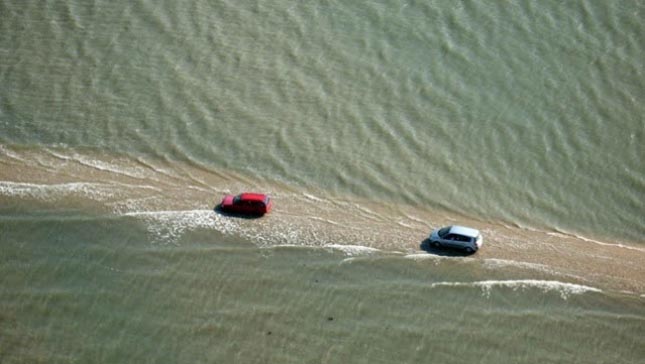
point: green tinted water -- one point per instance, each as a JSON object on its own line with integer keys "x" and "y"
{"x": 122, "y": 124}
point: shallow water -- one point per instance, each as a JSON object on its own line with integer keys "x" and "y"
{"x": 123, "y": 124}
{"x": 94, "y": 289}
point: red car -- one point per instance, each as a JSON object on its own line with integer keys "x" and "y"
{"x": 247, "y": 203}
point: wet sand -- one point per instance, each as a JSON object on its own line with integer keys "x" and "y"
{"x": 173, "y": 197}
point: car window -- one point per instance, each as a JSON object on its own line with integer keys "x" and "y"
{"x": 444, "y": 232}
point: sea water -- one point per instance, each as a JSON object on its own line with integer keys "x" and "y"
{"x": 122, "y": 125}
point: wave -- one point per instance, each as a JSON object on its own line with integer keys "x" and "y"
{"x": 103, "y": 166}
{"x": 563, "y": 288}
{"x": 312, "y": 197}
{"x": 437, "y": 258}
{"x": 353, "y": 250}
{"x": 169, "y": 226}
{"x": 593, "y": 241}
{"x": 176, "y": 198}
{"x": 96, "y": 191}
{"x": 494, "y": 263}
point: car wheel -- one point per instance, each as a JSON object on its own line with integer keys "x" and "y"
{"x": 435, "y": 244}
{"x": 469, "y": 250}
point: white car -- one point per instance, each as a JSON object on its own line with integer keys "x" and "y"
{"x": 460, "y": 237}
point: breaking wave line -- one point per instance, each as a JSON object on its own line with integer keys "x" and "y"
{"x": 565, "y": 289}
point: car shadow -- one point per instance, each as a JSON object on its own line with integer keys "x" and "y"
{"x": 218, "y": 210}
{"x": 442, "y": 251}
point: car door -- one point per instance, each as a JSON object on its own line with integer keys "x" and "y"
{"x": 256, "y": 207}
{"x": 449, "y": 240}
{"x": 248, "y": 207}
{"x": 241, "y": 206}
{"x": 461, "y": 241}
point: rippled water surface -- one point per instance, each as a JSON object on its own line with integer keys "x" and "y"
{"x": 123, "y": 123}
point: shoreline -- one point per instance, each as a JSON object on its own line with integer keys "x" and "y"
{"x": 180, "y": 198}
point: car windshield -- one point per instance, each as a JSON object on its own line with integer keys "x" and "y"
{"x": 443, "y": 232}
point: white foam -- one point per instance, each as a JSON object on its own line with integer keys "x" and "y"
{"x": 565, "y": 289}
{"x": 426, "y": 256}
{"x": 402, "y": 224}
{"x": 297, "y": 246}
{"x": 353, "y": 250}
{"x": 169, "y": 226}
{"x": 312, "y": 197}
{"x": 617, "y": 245}
{"x": 417, "y": 219}
{"x": 91, "y": 190}
{"x": 331, "y": 222}
{"x": 367, "y": 213}
{"x": 10, "y": 154}
{"x": 285, "y": 234}
{"x": 96, "y": 191}
{"x": 500, "y": 263}
{"x": 134, "y": 172}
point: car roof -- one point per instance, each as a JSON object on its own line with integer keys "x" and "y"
{"x": 252, "y": 196}
{"x": 465, "y": 231}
